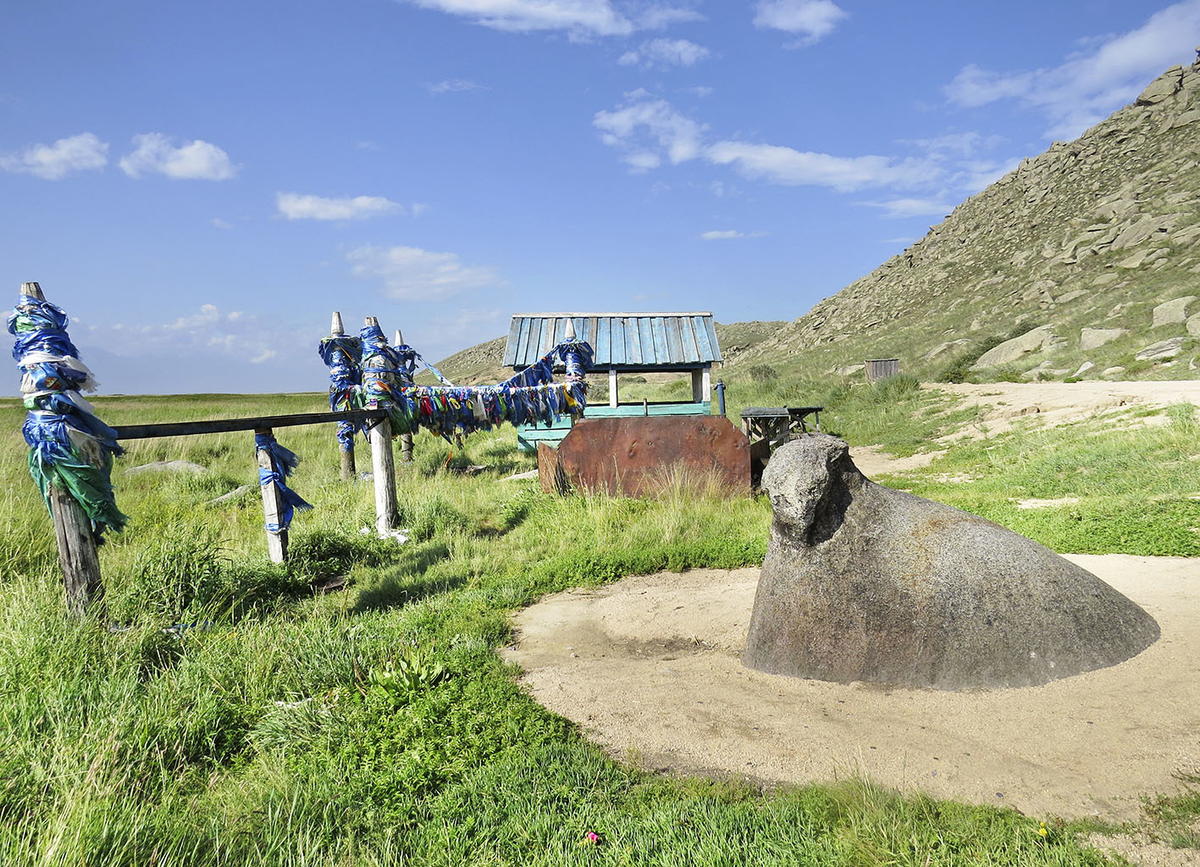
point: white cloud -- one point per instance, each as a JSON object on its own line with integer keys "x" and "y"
{"x": 417, "y": 209}
{"x": 154, "y": 153}
{"x": 419, "y": 275}
{"x": 810, "y": 19}
{"x": 296, "y": 206}
{"x": 701, "y": 90}
{"x": 645, "y": 126}
{"x": 901, "y": 208}
{"x": 218, "y": 223}
{"x": 579, "y": 18}
{"x": 650, "y": 131}
{"x": 52, "y": 162}
{"x": 790, "y": 167}
{"x": 1091, "y": 84}
{"x": 956, "y": 144}
{"x": 975, "y": 175}
{"x": 207, "y": 316}
{"x": 729, "y": 234}
{"x": 664, "y": 53}
{"x": 453, "y": 85}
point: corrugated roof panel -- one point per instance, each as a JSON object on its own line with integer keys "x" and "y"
{"x": 627, "y": 340}
{"x": 711, "y": 328}
{"x": 687, "y": 333}
{"x": 674, "y": 338}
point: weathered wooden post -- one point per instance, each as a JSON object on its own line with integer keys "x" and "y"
{"x": 275, "y": 464}
{"x": 342, "y": 355}
{"x": 71, "y": 450}
{"x": 273, "y": 508}
{"x": 407, "y": 365}
{"x": 379, "y": 362}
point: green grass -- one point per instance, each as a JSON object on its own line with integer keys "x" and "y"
{"x": 1135, "y": 486}
{"x": 377, "y": 725}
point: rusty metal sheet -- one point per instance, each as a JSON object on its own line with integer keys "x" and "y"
{"x": 637, "y": 456}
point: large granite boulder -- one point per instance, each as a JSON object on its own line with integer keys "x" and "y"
{"x": 865, "y": 583}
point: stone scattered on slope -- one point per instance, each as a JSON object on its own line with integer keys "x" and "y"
{"x": 1162, "y": 350}
{"x": 865, "y": 583}
{"x": 236, "y": 494}
{"x": 1172, "y": 312}
{"x": 1193, "y": 324}
{"x": 1010, "y": 350}
{"x": 167, "y": 467}
{"x": 1093, "y": 338}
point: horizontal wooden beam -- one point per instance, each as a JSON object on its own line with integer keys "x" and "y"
{"x": 188, "y": 428}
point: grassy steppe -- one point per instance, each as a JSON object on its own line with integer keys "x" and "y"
{"x": 377, "y": 726}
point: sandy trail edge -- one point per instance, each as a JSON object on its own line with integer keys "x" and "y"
{"x": 649, "y": 667}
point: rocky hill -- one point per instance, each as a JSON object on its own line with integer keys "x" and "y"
{"x": 1084, "y": 262}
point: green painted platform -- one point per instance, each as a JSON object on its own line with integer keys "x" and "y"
{"x": 528, "y": 436}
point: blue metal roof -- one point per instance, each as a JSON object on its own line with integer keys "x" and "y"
{"x": 626, "y": 341}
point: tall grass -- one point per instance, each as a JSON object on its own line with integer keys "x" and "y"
{"x": 237, "y": 715}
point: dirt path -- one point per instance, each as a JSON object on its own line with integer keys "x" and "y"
{"x": 650, "y": 668}
{"x": 1001, "y": 403}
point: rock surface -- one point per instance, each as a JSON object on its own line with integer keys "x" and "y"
{"x": 1094, "y": 338}
{"x": 864, "y": 583}
{"x": 1010, "y": 350}
{"x": 1162, "y": 350}
{"x": 1172, "y": 312}
{"x": 167, "y": 467}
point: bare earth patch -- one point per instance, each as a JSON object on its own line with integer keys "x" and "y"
{"x": 1002, "y": 403}
{"x": 650, "y": 668}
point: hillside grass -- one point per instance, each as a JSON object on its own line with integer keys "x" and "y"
{"x": 238, "y": 716}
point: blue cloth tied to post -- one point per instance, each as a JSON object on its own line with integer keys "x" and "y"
{"x": 70, "y": 449}
{"x": 343, "y": 356}
{"x": 283, "y": 462}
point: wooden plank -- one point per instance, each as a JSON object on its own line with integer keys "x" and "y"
{"x": 702, "y": 343}
{"x": 633, "y": 346}
{"x": 712, "y": 338}
{"x": 645, "y": 328}
{"x": 514, "y": 340}
{"x": 534, "y": 343}
{"x": 674, "y": 338}
{"x": 548, "y": 333}
{"x": 384, "y": 476}
{"x": 687, "y": 333}
{"x": 273, "y": 508}
{"x": 658, "y": 331}
{"x": 187, "y": 428}
{"x": 616, "y": 341}
{"x": 600, "y": 346}
{"x": 594, "y": 331}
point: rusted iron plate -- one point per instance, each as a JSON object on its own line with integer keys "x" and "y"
{"x": 637, "y": 456}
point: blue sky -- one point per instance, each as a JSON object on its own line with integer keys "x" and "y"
{"x": 199, "y": 185}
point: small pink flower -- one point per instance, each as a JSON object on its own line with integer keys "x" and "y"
{"x": 592, "y": 837}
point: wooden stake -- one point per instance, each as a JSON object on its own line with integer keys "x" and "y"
{"x": 384, "y": 476}
{"x": 77, "y": 554}
{"x": 272, "y": 507}
{"x": 349, "y": 471}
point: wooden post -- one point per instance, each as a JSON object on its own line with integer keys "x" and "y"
{"x": 612, "y": 387}
{"x": 384, "y": 476}
{"x": 349, "y": 471}
{"x": 77, "y": 554}
{"x": 406, "y": 440}
{"x": 272, "y": 507}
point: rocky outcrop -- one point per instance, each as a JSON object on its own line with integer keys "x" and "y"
{"x": 1010, "y": 350}
{"x": 1112, "y": 217}
{"x": 865, "y": 583}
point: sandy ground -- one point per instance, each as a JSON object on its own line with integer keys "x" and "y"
{"x": 650, "y": 668}
{"x": 1001, "y": 403}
